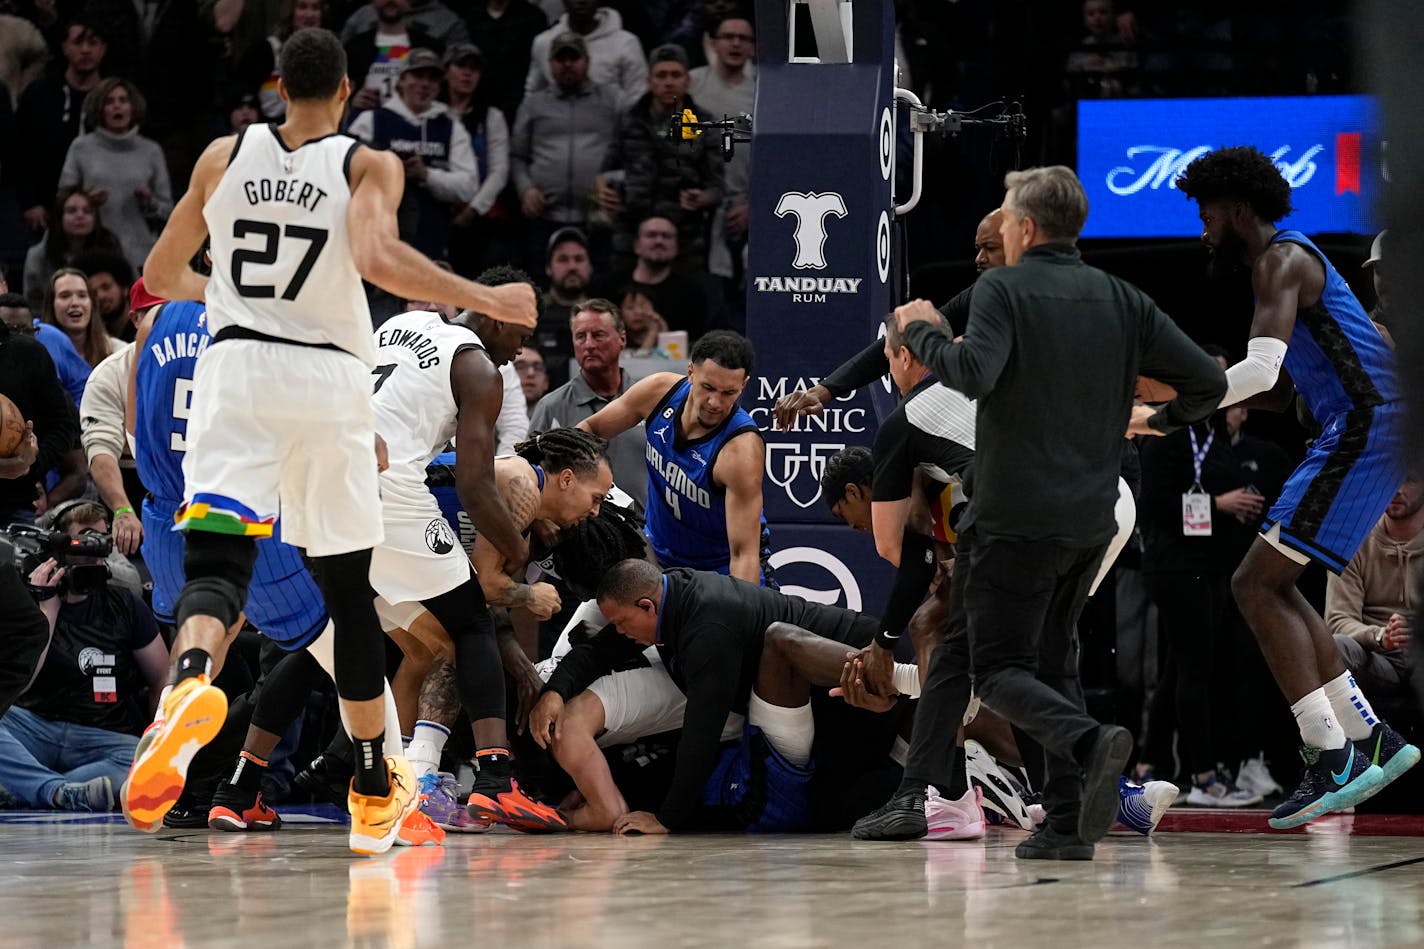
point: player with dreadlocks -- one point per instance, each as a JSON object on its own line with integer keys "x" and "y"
{"x": 561, "y": 477}
{"x": 1308, "y": 329}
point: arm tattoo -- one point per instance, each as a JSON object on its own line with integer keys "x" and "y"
{"x": 514, "y": 595}
{"x": 522, "y": 497}
{"x": 440, "y": 695}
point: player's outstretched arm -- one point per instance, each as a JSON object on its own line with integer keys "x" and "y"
{"x": 631, "y": 407}
{"x": 1257, "y": 381}
{"x": 166, "y": 273}
{"x": 377, "y": 181}
{"x": 739, "y": 469}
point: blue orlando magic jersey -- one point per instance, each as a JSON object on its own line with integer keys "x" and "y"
{"x": 164, "y": 386}
{"x": 283, "y": 601}
{"x": 1337, "y": 359}
{"x": 687, "y": 512}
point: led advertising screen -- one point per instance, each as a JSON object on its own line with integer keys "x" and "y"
{"x": 1130, "y": 151}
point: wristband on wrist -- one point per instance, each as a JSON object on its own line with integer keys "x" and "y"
{"x": 119, "y": 512}
{"x": 886, "y": 641}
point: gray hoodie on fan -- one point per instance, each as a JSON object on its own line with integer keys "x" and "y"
{"x": 615, "y": 57}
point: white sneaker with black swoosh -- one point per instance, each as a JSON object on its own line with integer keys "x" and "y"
{"x": 1000, "y": 794}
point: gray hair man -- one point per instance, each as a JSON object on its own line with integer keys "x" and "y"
{"x": 1051, "y": 354}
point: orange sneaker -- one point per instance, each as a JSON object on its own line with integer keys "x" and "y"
{"x": 193, "y": 714}
{"x": 417, "y": 830}
{"x": 376, "y": 821}
{"x": 146, "y": 739}
{"x": 501, "y": 799}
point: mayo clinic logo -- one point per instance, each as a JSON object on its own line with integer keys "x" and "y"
{"x": 785, "y": 462}
{"x": 834, "y": 583}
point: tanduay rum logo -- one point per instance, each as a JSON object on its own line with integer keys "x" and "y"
{"x": 810, "y": 211}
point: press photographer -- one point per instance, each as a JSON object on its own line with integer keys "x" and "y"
{"x": 68, "y": 740}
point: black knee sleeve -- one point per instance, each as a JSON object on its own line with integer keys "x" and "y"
{"x": 284, "y": 691}
{"x": 479, "y": 673}
{"x": 359, "y": 647}
{"x": 219, "y": 569}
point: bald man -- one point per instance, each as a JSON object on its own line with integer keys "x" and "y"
{"x": 871, "y": 363}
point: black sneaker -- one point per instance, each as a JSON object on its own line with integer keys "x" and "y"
{"x": 900, "y": 818}
{"x": 185, "y": 816}
{"x": 1390, "y": 750}
{"x": 1108, "y": 756}
{"x": 1334, "y": 779}
{"x": 328, "y": 779}
{"x": 1049, "y": 844}
{"x": 235, "y": 809}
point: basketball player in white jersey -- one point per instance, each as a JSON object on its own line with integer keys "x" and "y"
{"x": 437, "y": 380}
{"x": 281, "y": 417}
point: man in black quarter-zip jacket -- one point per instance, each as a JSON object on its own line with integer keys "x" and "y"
{"x": 1051, "y": 354}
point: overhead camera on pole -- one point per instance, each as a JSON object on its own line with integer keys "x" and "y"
{"x": 1008, "y": 117}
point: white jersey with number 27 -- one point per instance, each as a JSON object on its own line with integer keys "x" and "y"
{"x": 281, "y": 250}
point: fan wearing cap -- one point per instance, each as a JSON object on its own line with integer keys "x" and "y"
{"x": 482, "y": 221}
{"x": 560, "y": 137}
{"x": 101, "y": 431}
{"x": 243, "y": 110}
{"x": 440, "y": 171}
{"x": 1381, "y": 314}
{"x": 376, "y": 51}
{"x": 615, "y": 55}
{"x": 677, "y": 180}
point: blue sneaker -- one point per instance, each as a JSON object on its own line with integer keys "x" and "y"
{"x": 1140, "y": 806}
{"x": 1334, "y": 779}
{"x": 1388, "y": 749}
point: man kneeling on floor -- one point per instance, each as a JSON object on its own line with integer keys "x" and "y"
{"x": 732, "y": 649}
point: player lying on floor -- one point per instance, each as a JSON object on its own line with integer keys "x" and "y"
{"x": 720, "y": 641}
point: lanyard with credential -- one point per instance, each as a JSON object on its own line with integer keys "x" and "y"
{"x": 1196, "y": 503}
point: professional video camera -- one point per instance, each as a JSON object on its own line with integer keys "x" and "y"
{"x": 82, "y": 557}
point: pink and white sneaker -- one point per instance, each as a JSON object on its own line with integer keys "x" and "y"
{"x": 954, "y": 820}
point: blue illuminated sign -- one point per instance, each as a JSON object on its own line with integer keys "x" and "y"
{"x": 1130, "y": 151}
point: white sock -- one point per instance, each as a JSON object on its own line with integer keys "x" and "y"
{"x": 162, "y": 698}
{"x": 1316, "y": 721}
{"x": 1352, "y": 709}
{"x": 426, "y": 745}
{"x": 789, "y": 730}
{"x": 393, "y": 747}
{"x": 907, "y": 679}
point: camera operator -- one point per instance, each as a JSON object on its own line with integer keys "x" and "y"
{"x": 69, "y": 739}
{"x": 24, "y": 632}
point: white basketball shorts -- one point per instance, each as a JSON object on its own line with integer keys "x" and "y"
{"x": 282, "y": 438}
